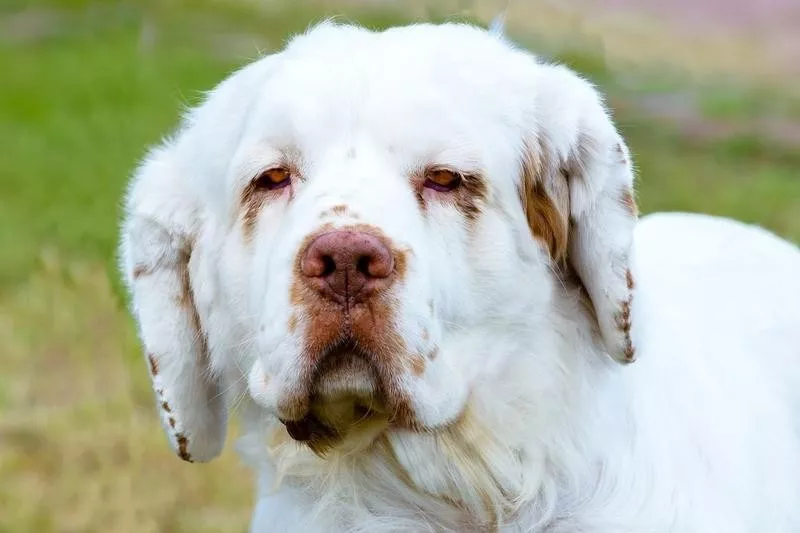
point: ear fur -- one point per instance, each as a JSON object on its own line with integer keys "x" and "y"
{"x": 577, "y": 190}
{"x": 163, "y": 220}
{"x": 157, "y": 243}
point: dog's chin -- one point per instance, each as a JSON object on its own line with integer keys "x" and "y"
{"x": 347, "y": 405}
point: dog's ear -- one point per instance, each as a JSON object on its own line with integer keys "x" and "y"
{"x": 161, "y": 225}
{"x": 577, "y": 191}
{"x": 163, "y": 222}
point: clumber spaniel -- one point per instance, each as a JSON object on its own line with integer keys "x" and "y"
{"x": 414, "y": 256}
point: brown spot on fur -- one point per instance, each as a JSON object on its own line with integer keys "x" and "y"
{"x": 339, "y": 209}
{"x": 629, "y": 202}
{"x": 623, "y": 318}
{"x": 471, "y": 196}
{"x": 140, "y": 270}
{"x": 545, "y": 199}
{"x": 165, "y": 406}
{"x": 186, "y": 299}
{"x": 629, "y": 280}
{"x": 417, "y": 364}
{"x": 183, "y": 444}
{"x": 172, "y": 422}
{"x": 153, "y": 364}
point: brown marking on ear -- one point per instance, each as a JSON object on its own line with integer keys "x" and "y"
{"x": 623, "y": 320}
{"x": 165, "y": 406}
{"x": 629, "y": 202}
{"x": 186, "y": 299}
{"x": 153, "y": 364}
{"x": 545, "y": 200}
{"x": 417, "y": 364}
{"x": 183, "y": 444}
{"x": 141, "y": 270}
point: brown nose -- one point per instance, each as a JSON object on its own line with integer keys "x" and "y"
{"x": 347, "y": 264}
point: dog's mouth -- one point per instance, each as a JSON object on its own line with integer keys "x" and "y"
{"x": 345, "y": 395}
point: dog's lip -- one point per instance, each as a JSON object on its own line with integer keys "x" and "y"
{"x": 308, "y": 428}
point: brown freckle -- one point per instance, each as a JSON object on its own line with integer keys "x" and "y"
{"x": 153, "y": 364}
{"x": 623, "y": 318}
{"x": 183, "y": 444}
{"x": 165, "y": 406}
{"x": 629, "y": 202}
{"x": 417, "y": 364}
{"x": 401, "y": 263}
{"x": 172, "y": 422}
{"x": 629, "y": 352}
{"x": 629, "y": 280}
{"x": 140, "y": 270}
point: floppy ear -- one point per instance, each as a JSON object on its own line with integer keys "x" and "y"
{"x": 158, "y": 234}
{"x": 577, "y": 190}
{"x": 162, "y": 223}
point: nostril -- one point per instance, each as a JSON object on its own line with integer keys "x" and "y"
{"x": 362, "y": 265}
{"x": 328, "y": 266}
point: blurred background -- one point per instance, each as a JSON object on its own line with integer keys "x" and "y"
{"x": 706, "y": 91}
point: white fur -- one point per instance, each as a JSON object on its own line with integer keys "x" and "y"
{"x": 531, "y": 424}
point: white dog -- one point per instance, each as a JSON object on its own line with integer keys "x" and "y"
{"x": 415, "y": 254}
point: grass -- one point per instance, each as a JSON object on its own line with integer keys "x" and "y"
{"x": 93, "y": 83}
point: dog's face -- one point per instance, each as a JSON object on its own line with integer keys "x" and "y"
{"x": 355, "y": 226}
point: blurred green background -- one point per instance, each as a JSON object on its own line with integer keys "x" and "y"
{"x": 708, "y": 95}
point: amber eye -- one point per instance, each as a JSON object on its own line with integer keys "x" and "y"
{"x": 274, "y": 178}
{"x": 442, "y": 180}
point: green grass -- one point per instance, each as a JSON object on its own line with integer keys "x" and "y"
{"x": 88, "y": 86}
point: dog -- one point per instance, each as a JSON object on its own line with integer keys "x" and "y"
{"x": 413, "y": 259}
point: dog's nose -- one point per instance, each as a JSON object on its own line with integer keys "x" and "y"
{"x": 347, "y": 264}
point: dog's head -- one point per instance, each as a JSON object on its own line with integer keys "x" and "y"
{"x": 342, "y": 224}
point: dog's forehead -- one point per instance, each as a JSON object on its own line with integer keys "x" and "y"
{"x": 420, "y": 77}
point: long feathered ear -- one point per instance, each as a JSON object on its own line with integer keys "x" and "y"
{"x": 162, "y": 228}
{"x": 577, "y": 190}
{"x": 159, "y": 230}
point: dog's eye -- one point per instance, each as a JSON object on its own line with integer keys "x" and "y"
{"x": 442, "y": 180}
{"x": 274, "y": 178}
